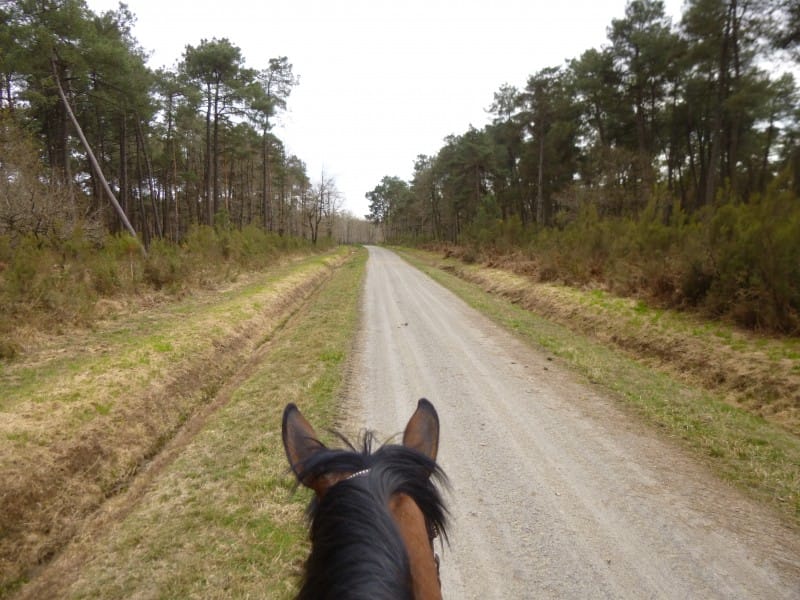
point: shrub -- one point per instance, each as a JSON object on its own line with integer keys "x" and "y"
{"x": 28, "y": 272}
{"x": 50, "y": 280}
{"x": 739, "y": 260}
{"x": 755, "y": 249}
{"x": 164, "y": 266}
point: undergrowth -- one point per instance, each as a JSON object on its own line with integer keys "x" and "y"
{"x": 47, "y": 282}
{"x": 733, "y": 260}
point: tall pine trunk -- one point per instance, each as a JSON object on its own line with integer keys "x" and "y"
{"x": 266, "y": 186}
{"x": 123, "y": 165}
{"x": 215, "y": 150}
{"x": 207, "y": 172}
{"x": 715, "y": 155}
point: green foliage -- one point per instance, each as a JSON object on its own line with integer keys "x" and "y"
{"x": 489, "y": 232}
{"x": 43, "y": 279}
{"x": 738, "y": 260}
{"x": 755, "y": 249}
{"x": 385, "y": 200}
{"x": 161, "y": 137}
{"x": 609, "y": 168}
{"x": 733, "y": 258}
{"x": 49, "y": 282}
{"x": 164, "y": 267}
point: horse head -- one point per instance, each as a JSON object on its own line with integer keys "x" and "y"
{"x": 374, "y": 515}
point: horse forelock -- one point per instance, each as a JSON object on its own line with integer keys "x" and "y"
{"x": 357, "y": 550}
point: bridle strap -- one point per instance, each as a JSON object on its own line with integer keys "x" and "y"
{"x": 357, "y": 474}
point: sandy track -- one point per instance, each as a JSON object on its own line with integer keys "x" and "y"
{"x": 555, "y": 492}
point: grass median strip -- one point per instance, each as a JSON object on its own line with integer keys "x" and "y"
{"x": 221, "y": 520}
{"x": 760, "y": 456}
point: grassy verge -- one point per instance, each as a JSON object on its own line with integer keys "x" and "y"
{"x": 759, "y": 373}
{"x": 221, "y": 520}
{"x": 83, "y": 413}
{"x": 743, "y": 447}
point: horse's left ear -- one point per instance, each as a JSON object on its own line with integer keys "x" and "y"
{"x": 422, "y": 430}
{"x": 300, "y": 442}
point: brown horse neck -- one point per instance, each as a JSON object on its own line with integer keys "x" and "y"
{"x": 414, "y": 531}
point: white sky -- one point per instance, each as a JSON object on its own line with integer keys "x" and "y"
{"x": 381, "y": 81}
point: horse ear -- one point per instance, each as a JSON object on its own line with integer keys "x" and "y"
{"x": 422, "y": 430}
{"x": 299, "y": 440}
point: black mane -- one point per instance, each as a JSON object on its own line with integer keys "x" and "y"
{"x": 357, "y": 551}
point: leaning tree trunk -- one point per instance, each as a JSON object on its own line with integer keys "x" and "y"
{"x": 92, "y": 159}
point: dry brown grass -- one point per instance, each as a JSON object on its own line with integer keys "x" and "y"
{"x": 83, "y": 413}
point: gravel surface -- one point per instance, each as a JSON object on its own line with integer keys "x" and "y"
{"x": 556, "y": 493}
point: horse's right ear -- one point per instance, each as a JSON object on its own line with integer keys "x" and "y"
{"x": 422, "y": 430}
{"x": 300, "y": 441}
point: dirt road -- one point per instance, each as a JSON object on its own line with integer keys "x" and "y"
{"x": 556, "y": 493}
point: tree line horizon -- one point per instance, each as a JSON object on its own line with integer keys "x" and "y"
{"x": 686, "y": 110}
{"x": 180, "y": 146}
{"x": 665, "y": 163}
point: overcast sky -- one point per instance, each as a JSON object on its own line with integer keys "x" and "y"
{"x": 381, "y": 81}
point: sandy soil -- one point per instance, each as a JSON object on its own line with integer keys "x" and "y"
{"x": 555, "y": 492}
